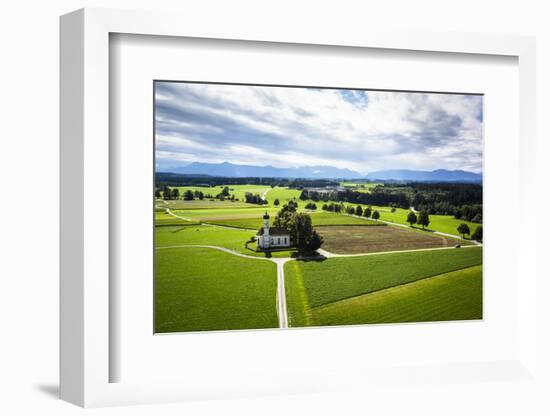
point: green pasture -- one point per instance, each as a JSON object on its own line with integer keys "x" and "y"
{"x": 162, "y": 218}
{"x": 310, "y": 284}
{"x": 181, "y": 204}
{"x": 442, "y": 223}
{"x": 360, "y": 187}
{"x": 231, "y": 238}
{"x": 318, "y": 218}
{"x": 200, "y": 289}
{"x": 283, "y": 195}
{"x": 449, "y": 296}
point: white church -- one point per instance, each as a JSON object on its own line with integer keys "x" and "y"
{"x": 272, "y": 237}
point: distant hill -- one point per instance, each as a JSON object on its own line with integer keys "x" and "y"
{"x": 232, "y": 170}
{"x": 439, "y": 175}
{"x": 239, "y": 171}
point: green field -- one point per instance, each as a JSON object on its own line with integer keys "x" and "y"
{"x": 319, "y": 218}
{"x": 199, "y": 289}
{"x": 449, "y": 296}
{"x": 163, "y": 218}
{"x": 315, "y": 283}
{"x": 230, "y": 238}
{"x": 360, "y": 187}
{"x": 442, "y": 223}
{"x": 180, "y": 204}
{"x": 283, "y": 195}
{"x": 215, "y": 210}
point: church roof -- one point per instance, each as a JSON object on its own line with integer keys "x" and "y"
{"x": 274, "y": 231}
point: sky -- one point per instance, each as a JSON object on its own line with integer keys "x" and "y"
{"x": 364, "y": 131}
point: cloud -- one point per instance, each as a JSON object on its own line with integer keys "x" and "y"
{"x": 287, "y": 127}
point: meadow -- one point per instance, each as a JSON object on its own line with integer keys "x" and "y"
{"x": 318, "y": 218}
{"x": 449, "y": 296}
{"x": 311, "y": 284}
{"x": 230, "y": 238}
{"x": 360, "y": 186}
{"x": 200, "y": 289}
{"x": 442, "y": 223}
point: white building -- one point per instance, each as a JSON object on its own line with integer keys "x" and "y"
{"x": 272, "y": 237}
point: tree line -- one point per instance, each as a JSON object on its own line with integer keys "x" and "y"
{"x": 463, "y": 201}
{"x": 174, "y": 179}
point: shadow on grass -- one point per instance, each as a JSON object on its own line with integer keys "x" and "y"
{"x": 307, "y": 256}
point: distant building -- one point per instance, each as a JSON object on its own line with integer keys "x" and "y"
{"x": 326, "y": 189}
{"x": 272, "y": 237}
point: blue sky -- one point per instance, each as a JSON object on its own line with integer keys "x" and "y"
{"x": 286, "y": 127}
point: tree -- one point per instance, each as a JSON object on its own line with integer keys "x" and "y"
{"x": 188, "y": 195}
{"x": 175, "y": 193}
{"x": 463, "y": 229}
{"x": 276, "y": 202}
{"x": 359, "y": 210}
{"x": 157, "y": 193}
{"x": 300, "y": 230}
{"x": 201, "y": 195}
{"x": 368, "y": 211}
{"x": 411, "y": 218}
{"x": 375, "y": 215}
{"x": 423, "y": 218}
{"x": 350, "y": 210}
{"x": 478, "y": 233}
{"x": 316, "y": 241}
{"x": 167, "y": 193}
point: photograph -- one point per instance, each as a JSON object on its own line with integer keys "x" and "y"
{"x": 286, "y": 206}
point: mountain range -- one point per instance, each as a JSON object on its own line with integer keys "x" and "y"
{"x": 227, "y": 169}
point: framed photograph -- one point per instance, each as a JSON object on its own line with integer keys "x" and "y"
{"x": 281, "y": 213}
{"x": 299, "y": 176}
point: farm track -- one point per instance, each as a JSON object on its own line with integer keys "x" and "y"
{"x": 329, "y": 255}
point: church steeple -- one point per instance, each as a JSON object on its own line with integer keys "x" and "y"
{"x": 266, "y": 223}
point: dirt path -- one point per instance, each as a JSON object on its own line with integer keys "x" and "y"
{"x": 265, "y": 193}
{"x": 329, "y": 255}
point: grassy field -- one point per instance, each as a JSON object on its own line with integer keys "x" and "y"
{"x": 357, "y": 239}
{"x": 164, "y": 219}
{"x": 180, "y": 204}
{"x": 318, "y": 218}
{"x": 203, "y": 290}
{"x": 449, "y": 296}
{"x": 442, "y": 223}
{"x": 283, "y": 195}
{"x": 331, "y": 280}
{"x": 360, "y": 187}
{"x": 230, "y": 238}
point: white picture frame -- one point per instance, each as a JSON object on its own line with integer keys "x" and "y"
{"x": 85, "y": 212}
